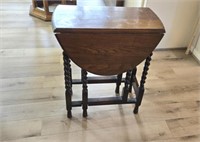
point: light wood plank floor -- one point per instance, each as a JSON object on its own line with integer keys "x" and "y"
{"x": 32, "y": 106}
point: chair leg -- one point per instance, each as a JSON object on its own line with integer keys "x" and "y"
{"x": 84, "y": 92}
{"x": 140, "y": 94}
{"x": 68, "y": 85}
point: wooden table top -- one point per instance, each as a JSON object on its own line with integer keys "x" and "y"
{"x": 105, "y": 19}
{"x": 107, "y": 40}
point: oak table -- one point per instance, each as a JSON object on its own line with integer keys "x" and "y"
{"x": 106, "y": 41}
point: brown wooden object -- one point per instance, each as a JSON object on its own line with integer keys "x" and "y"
{"x": 113, "y": 39}
{"x": 40, "y": 8}
{"x": 109, "y": 41}
{"x": 120, "y": 2}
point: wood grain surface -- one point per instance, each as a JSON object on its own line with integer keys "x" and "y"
{"x": 107, "y": 40}
{"x": 32, "y": 105}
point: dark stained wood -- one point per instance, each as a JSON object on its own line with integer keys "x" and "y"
{"x": 120, "y": 2}
{"x": 118, "y": 82}
{"x": 108, "y": 54}
{"x": 107, "y": 41}
{"x": 98, "y": 80}
{"x": 68, "y": 84}
{"x": 133, "y": 79}
{"x": 84, "y": 92}
{"x": 104, "y": 101}
{"x": 126, "y": 86}
{"x": 107, "y": 19}
{"x": 113, "y": 39}
{"x": 140, "y": 93}
{"x": 129, "y": 82}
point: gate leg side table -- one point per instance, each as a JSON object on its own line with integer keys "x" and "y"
{"x": 106, "y": 41}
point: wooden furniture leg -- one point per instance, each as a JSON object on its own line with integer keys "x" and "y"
{"x": 133, "y": 76}
{"x": 118, "y": 83}
{"x": 142, "y": 82}
{"x": 130, "y": 78}
{"x": 126, "y": 87}
{"x": 68, "y": 85}
{"x": 119, "y": 80}
{"x": 34, "y": 4}
{"x": 40, "y": 8}
{"x": 84, "y": 92}
{"x": 46, "y": 7}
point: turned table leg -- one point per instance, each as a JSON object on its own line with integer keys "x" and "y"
{"x": 133, "y": 74}
{"x": 68, "y": 84}
{"x": 142, "y": 82}
{"x": 126, "y": 87}
{"x": 84, "y": 92}
{"x": 118, "y": 83}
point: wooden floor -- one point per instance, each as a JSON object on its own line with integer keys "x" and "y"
{"x": 32, "y": 106}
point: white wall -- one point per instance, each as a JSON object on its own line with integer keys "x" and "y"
{"x": 91, "y": 2}
{"x": 134, "y": 3}
{"x": 178, "y": 17}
